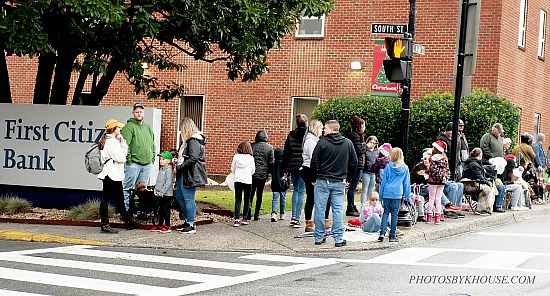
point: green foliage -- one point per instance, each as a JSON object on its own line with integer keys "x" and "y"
{"x": 11, "y": 205}
{"x": 88, "y": 211}
{"x": 479, "y": 111}
{"x": 381, "y": 114}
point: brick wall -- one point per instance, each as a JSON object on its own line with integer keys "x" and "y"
{"x": 235, "y": 111}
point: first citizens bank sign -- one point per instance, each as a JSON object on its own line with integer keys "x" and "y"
{"x": 44, "y": 145}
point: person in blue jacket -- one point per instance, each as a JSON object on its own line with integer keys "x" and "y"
{"x": 395, "y": 183}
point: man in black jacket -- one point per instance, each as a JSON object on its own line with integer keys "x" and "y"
{"x": 332, "y": 165}
{"x": 292, "y": 161}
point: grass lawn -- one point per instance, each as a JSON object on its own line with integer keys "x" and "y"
{"x": 226, "y": 200}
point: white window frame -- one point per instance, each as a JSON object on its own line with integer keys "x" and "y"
{"x": 542, "y": 33}
{"x": 181, "y": 104}
{"x": 292, "y": 116}
{"x": 304, "y": 35}
{"x": 522, "y": 23}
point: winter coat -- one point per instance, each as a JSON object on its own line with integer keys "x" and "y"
{"x": 114, "y": 151}
{"x": 191, "y": 164}
{"x": 263, "y": 155}
{"x": 444, "y": 138}
{"x": 416, "y": 177}
{"x": 165, "y": 181}
{"x": 527, "y": 152}
{"x": 396, "y": 182}
{"x": 333, "y": 159}
{"x": 243, "y": 167}
{"x": 141, "y": 143}
{"x": 359, "y": 147}
{"x": 370, "y": 158}
{"x": 277, "y": 183}
{"x": 474, "y": 171}
{"x": 379, "y": 164}
{"x": 491, "y": 146}
{"x": 439, "y": 170}
{"x": 292, "y": 154}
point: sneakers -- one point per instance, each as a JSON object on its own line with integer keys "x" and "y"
{"x": 437, "y": 219}
{"x": 273, "y": 217}
{"x": 244, "y": 222}
{"x": 518, "y": 208}
{"x": 452, "y": 207}
{"x": 399, "y": 232}
{"x": 421, "y": 219}
{"x": 256, "y": 218}
{"x": 450, "y": 215}
{"x": 189, "y": 229}
{"x": 156, "y": 228}
{"x": 132, "y": 224}
{"x": 298, "y": 224}
{"x": 394, "y": 239}
{"x": 309, "y": 226}
{"x": 165, "y": 229}
{"x": 237, "y": 223}
{"x": 441, "y": 218}
{"x": 460, "y": 215}
{"x": 499, "y": 210}
{"x": 107, "y": 229}
{"x": 282, "y": 216}
{"x": 381, "y": 237}
{"x": 185, "y": 224}
{"x": 352, "y": 211}
{"x": 341, "y": 244}
{"x": 293, "y": 221}
{"x": 324, "y": 240}
{"x": 483, "y": 213}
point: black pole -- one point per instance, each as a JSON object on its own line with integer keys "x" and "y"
{"x": 406, "y": 86}
{"x": 458, "y": 85}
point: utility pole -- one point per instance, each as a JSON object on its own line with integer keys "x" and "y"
{"x": 406, "y": 86}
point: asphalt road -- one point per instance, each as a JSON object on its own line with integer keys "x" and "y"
{"x": 506, "y": 260}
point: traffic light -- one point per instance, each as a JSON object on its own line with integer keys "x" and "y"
{"x": 399, "y": 67}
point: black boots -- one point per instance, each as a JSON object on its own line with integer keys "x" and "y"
{"x": 352, "y": 211}
{"x": 132, "y": 224}
{"x": 105, "y": 228}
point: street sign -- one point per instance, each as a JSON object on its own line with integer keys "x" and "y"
{"x": 389, "y": 28}
{"x": 419, "y": 49}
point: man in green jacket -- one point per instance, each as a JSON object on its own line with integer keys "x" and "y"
{"x": 141, "y": 151}
{"x": 491, "y": 143}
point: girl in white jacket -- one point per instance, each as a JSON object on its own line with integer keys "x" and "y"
{"x": 113, "y": 156}
{"x": 243, "y": 168}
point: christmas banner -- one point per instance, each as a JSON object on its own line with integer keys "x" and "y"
{"x": 380, "y": 85}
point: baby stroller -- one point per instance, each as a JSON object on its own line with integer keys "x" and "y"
{"x": 407, "y": 213}
{"x": 144, "y": 204}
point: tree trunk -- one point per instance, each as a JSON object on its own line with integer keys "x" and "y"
{"x": 103, "y": 85}
{"x": 62, "y": 78}
{"x": 46, "y": 65}
{"x": 5, "y": 91}
{"x": 79, "y": 86}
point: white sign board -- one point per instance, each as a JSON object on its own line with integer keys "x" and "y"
{"x": 44, "y": 145}
{"x": 419, "y": 49}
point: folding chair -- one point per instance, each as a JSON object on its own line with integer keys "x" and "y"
{"x": 472, "y": 189}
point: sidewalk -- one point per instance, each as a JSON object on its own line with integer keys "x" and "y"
{"x": 260, "y": 236}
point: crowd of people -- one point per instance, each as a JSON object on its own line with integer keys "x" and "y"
{"x": 326, "y": 167}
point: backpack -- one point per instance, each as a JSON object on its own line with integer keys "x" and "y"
{"x": 92, "y": 160}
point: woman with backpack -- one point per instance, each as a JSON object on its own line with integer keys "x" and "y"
{"x": 113, "y": 156}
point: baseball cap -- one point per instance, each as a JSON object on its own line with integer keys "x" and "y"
{"x": 498, "y": 126}
{"x": 138, "y": 105}
{"x": 460, "y": 122}
{"x": 112, "y": 123}
{"x": 166, "y": 154}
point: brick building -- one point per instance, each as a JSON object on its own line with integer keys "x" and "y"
{"x": 315, "y": 64}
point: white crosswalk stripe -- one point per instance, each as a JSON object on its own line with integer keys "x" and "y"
{"x": 489, "y": 259}
{"x": 200, "y": 281}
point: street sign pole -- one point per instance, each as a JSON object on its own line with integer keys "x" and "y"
{"x": 406, "y": 86}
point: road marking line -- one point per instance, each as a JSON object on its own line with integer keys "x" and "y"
{"x": 15, "y": 293}
{"x": 37, "y": 237}
{"x": 510, "y": 234}
{"x": 500, "y": 260}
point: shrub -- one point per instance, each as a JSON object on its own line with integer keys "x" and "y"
{"x": 11, "y": 205}
{"x": 88, "y": 211}
{"x": 381, "y": 115}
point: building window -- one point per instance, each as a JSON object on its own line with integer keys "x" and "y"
{"x": 542, "y": 33}
{"x": 537, "y": 124}
{"x": 302, "y": 105}
{"x": 192, "y": 107}
{"x": 522, "y": 23}
{"x": 311, "y": 27}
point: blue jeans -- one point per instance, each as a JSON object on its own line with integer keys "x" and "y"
{"x": 335, "y": 191}
{"x": 186, "y": 199}
{"x": 132, "y": 174}
{"x": 297, "y": 194}
{"x": 372, "y": 224}
{"x": 353, "y": 187}
{"x": 368, "y": 181}
{"x": 454, "y": 191}
{"x": 275, "y": 202}
{"x": 500, "y": 196}
{"x": 390, "y": 206}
